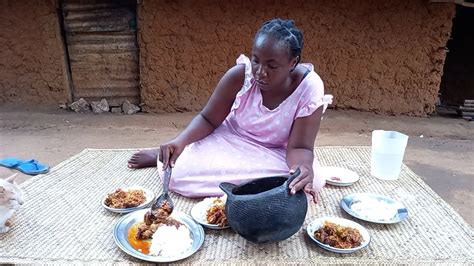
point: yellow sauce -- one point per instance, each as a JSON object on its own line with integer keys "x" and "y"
{"x": 141, "y": 245}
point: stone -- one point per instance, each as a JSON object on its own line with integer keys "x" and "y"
{"x": 100, "y": 107}
{"x": 129, "y": 108}
{"x": 80, "y": 106}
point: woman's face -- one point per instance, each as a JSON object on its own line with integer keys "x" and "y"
{"x": 271, "y": 63}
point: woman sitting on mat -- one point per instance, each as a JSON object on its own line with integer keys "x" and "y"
{"x": 261, "y": 120}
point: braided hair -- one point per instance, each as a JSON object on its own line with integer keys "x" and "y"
{"x": 285, "y": 31}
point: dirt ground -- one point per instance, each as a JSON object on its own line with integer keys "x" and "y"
{"x": 440, "y": 149}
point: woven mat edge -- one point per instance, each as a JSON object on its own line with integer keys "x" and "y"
{"x": 54, "y": 168}
{"x": 446, "y": 206}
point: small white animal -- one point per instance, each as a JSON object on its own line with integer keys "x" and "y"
{"x": 11, "y": 197}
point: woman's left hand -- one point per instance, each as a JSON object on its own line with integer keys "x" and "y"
{"x": 303, "y": 181}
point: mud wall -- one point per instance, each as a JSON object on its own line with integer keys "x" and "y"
{"x": 31, "y": 54}
{"x": 383, "y": 56}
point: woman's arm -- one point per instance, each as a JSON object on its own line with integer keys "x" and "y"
{"x": 217, "y": 108}
{"x": 210, "y": 118}
{"x": 300, "y": 150}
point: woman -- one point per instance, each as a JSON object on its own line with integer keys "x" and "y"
{"x": 261, "y": 120}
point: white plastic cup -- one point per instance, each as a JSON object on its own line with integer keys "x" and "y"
{"x": 388, "y": 149}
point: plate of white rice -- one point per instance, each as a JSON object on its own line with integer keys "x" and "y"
{"x": 374, "y": 208}
{"x": 168, "y": 243}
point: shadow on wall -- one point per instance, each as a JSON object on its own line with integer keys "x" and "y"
{"x": 457, "y": 83}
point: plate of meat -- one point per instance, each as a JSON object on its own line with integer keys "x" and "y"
{"x": 338, "y": 176}
{"x": 210, "y": 213}
{"x": 158, "y": 235}
{"x": 338, "y": 234}
{"x": 125, "y": 200}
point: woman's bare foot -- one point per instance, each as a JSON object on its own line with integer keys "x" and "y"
{"x": 143, "y": 158}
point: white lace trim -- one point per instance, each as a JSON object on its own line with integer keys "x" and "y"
{"x": 247, "y": 80}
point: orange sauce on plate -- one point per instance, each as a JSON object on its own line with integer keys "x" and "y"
{"x": 141, "y": 245}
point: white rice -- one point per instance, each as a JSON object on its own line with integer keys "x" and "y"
{"x": 374, "y": 209}
{"x": 169, "y": 241}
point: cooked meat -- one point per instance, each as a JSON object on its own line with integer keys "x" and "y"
{"x": 153, "y": 219}
{"x": 338, "y": 236}
{"x": 143, "y": 227}
{"x": 170, "y": 221}
{"x": 216, "y": 213}
{"x": 154, "y": 227}
{"x": 148, "y": 219}
{"x": 121, "y": 199}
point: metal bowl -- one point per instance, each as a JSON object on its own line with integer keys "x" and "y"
{"x": 122, "y": 226}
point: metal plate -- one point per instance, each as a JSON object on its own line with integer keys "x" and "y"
{"x": 150, "y": 196}
{"x": 198, "y": 213}
{"x": 318, "y": 223}
{"x": 400, "y": 214}
{"x": 122, "y": 226}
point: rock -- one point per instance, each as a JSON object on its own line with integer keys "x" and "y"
{"x": 100, "y": 107}
{"x": 129, "y": 108}
{"x": 63, "y": 106}
{"x": 80, "y": 106}
{"x": 116, "y": 110}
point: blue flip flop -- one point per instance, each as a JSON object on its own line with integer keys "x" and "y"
{"x": 11, "y": 162}
{"x": 29, "y": 167}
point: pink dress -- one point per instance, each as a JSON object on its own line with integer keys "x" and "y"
{"x": 251, "y": 142}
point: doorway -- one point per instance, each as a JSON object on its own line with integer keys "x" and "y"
{"x": 101, "y": 42}
{"x": 457, "y": 82}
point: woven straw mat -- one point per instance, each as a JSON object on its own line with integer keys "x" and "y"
{"x": 63, "y": 221}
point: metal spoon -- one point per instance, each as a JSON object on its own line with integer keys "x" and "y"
{"x": 164, "y": 196}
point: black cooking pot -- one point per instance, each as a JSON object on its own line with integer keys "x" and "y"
{"x": 263, "y": 210}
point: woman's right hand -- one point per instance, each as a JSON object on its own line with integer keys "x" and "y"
{"x": 169, "y": 152}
